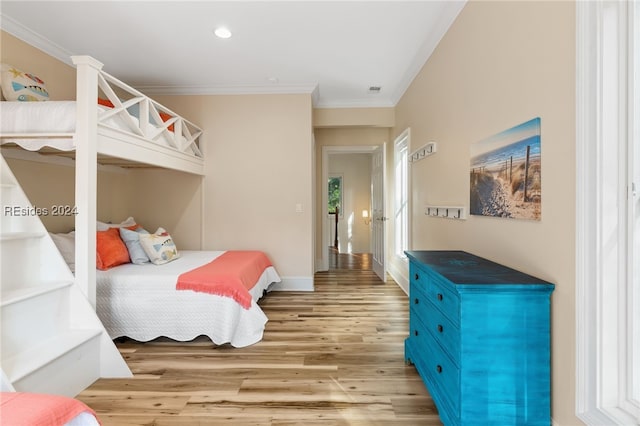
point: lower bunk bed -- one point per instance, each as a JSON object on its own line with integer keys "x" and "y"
{"x": 148, "y": 301}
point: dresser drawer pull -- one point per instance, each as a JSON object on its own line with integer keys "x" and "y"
{"x": 415, "y": 332}
{"x": 439, "y": 296}
{"x": 440, "y": 328}
{"x": 439, "y": 368}
{"x": 417, "y": 277}
{"x": 416, "y": 301}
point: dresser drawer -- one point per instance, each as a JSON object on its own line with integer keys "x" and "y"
{"x": 418, "y": 330}
{"x": 443, "y": 331}
{"x": 443, "y": 298}
{"x": 418, "y": 293}
{"x": 444, "y": 376}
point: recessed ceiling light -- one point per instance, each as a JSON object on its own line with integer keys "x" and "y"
{"x": 222, "y": 32}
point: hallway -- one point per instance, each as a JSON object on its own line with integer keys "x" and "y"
{"x": 352, "y": 261}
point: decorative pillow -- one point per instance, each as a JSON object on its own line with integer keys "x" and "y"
{"x": 159, "y": 247}
{"x": 21, "y": 86}
{"x": 105, "y": 102}
{"x": 110, "y": 249}
{"x": 102, "y": 226}
{"x": 167, "y": 117}
{"x": 131, "y": 239}
{"x": 66, "y": 244}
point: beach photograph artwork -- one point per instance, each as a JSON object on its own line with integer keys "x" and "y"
{"x": 505, "y": 174}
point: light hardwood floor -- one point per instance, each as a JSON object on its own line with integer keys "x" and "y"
{"x": 331, "y": 357}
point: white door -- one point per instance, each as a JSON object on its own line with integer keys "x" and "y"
{"x": 377, "y": 212}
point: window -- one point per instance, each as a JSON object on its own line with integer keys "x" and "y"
{"x": 401, "y": 200}
{"x": 634, "y": 211}
{"x": 608, "y": 212}
{"x": 335, "y": 194}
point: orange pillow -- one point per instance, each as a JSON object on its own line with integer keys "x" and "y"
{"x": 105, "y": 102}
{"x": 166, "y": 117}
{"x": 110, "y": 249}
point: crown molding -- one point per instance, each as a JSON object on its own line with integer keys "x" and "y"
{"x": 449, "y": 13}
{"x": 228, "y": 90}
{"x": 36, "y": 40}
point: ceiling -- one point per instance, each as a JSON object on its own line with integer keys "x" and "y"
{"x": 334, "y": 50}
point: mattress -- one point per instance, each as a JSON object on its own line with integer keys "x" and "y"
{"x": 57, "y": 118}
{"x": 141, "y": 302}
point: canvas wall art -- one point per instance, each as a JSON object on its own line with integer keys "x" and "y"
{"x": 506, "y": 174}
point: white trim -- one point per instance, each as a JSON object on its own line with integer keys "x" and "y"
{"x": 323, "y": 262}
{"x": 229, "y": 90}
{"x": 400, "y": 275}
{"x": 404, "y": 138}
{"x": 294, "y": 284}
{"x": 36, "y": 40}
{"x": 601, "y": 322}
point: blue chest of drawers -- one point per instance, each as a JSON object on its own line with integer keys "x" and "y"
{"x": 480, "y": 339}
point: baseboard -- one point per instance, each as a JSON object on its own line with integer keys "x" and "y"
{"x": 294, "y": 284}
{"x": 399, "y": 278}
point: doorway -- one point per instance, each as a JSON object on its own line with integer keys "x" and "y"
{"x": 353, "y": 247}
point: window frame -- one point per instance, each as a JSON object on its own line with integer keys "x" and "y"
{"x": 606, "y": 297}
{"x": 401, "y": 143}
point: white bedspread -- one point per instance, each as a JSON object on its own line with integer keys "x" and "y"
{"x": 141, "y": 302}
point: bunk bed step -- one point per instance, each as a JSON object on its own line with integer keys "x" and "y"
{"x": 64, "y": 364}
{"x": 31, "y": 315}
{"x": 23, "y": 293}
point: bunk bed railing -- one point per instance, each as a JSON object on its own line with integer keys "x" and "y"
{"x": 147, "y": 118}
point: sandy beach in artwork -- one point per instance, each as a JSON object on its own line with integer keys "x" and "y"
{"x": 500, "y": 191}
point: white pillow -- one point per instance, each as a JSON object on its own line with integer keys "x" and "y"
{"x": 18, "y": 85}
{"x": 66, "y": 244}
{"x": 159, "y": 247}
{"x": 103, "y": 226}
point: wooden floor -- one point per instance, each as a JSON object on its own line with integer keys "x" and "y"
{"x": 330, "y": 357}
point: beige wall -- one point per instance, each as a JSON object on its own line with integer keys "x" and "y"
{"x": 59, "y": 78}
{"x": 48, "y": 185}
{"x": 363, "y": 117}
{"x": 355, "y": 169}
{"x": 501, "y": 64}
{"x": 168, "y": 199}
{"x": 259, "y": 167}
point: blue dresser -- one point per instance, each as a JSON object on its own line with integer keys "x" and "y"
{"x": 480, "y": 339}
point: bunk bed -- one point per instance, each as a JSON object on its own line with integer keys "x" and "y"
{"x": 111, "y": 119}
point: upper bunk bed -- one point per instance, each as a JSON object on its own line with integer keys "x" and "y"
{"x": 108, "y": 119}
{"x": 114, "y": 118}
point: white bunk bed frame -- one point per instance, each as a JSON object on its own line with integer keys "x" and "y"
{"x": 140, "y": 143}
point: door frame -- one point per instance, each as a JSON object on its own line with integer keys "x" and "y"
{"x": 326, "y": 151}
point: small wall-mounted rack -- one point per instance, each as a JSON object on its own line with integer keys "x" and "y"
{"x": 447, "y": 212}
{"x": 423, "y": 152}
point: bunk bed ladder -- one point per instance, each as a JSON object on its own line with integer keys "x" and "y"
{"x": 51, "y": 340}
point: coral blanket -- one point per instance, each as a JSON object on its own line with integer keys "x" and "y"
{"x": 231, "y": 274}
{"x": 33, "y": 409}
